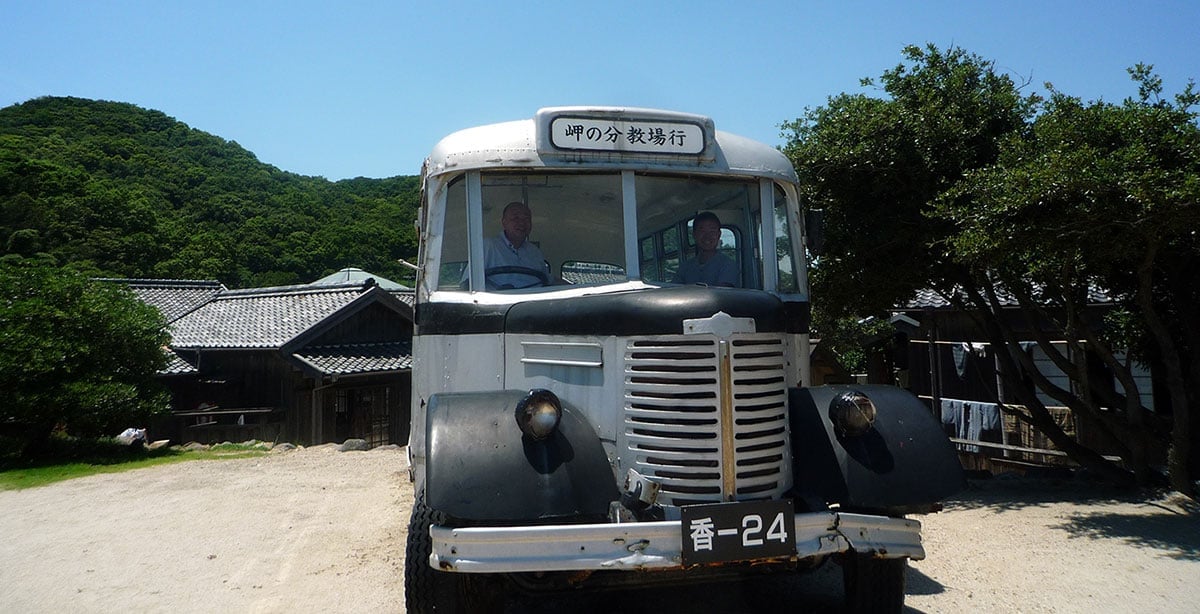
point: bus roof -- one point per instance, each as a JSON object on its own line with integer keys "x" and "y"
{"x": 609, "y": 138}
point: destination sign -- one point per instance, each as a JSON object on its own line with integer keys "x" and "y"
{"x": 628, "y": 136}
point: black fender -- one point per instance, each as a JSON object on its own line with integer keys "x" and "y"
{"x": 904, "y": 462}
{"x": 479, "y": 467}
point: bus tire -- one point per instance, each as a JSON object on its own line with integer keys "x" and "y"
{"x": 429, "y": 591}
{"x": 874, "y": 584}
{"x": 426, "y": 590}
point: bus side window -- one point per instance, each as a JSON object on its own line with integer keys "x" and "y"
{"x": 731, "y": 246}
{"x": 660, "y": 253}
{"x": 671, "y": 252}
{"x": 651, "y": 265}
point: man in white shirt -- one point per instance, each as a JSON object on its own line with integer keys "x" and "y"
{"x": 709, "y": 267}
{"x": 513, "y": 261}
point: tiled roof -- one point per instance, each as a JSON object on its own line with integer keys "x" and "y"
{"x": 408, "y": 297}
{"x": 261, "y": 318}
{"x": 931, "y": 299}
{"x": 176, "y": 365}
{"x": 926, "y": 299}
{"x": 592, "y": 273}
{"x": 357, "y": 358}
{"x": 172, "y": 297}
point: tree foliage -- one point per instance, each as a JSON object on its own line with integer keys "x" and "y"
{"x": 1101, "y": 196}
{"x": 76, "y": 354}
{"x": 958, "y": 182}
{"x": 875, "y": 165}
{"x": 128, "y": 192}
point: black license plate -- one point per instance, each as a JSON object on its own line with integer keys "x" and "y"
{"x": 726, "y": 532}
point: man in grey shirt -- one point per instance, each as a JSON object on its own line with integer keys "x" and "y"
{"x": 709, "y": 267}
{"x": 511, "y": 251}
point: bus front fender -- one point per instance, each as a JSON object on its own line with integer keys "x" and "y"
{"x": 481, "y": 468}
{"x": 904, "y": 462}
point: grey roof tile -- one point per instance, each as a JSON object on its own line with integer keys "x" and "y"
{"x": 408, "y": 297}
{"x": 176, "y": 365}
{"x": 261, "y": 318}
{"x": 931, "y": 299}
{"x": 592, "y": 273}
{"x": 357, "y": 358}
{"x": 172, "y": 297}
{"x": 926, "y": 299}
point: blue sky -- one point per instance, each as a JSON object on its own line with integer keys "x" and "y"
{"x": 352, "y": 89}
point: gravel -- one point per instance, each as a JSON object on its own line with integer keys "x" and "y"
{"x": 315, "y": 529}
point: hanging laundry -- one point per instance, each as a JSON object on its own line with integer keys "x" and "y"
{"x": 960, "y": 351}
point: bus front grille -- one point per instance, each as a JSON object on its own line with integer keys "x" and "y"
{"x": 706, "y": 431}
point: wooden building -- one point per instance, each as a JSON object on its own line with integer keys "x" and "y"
{"x": 308, "y": 364}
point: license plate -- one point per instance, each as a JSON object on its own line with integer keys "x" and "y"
{"x": 726, "y": 532}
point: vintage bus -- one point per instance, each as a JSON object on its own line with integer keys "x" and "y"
{"x": 611, "y": 381}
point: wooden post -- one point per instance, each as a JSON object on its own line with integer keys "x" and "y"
{"x": 1001, "y": 398}
{"x": 935, "y": 366}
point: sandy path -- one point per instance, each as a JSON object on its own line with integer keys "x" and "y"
{"x": 320, "y": 530}
{"x": 1055, "y": 547}
{"x": 305, "y": 531}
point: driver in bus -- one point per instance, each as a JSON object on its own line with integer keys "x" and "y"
{"x": 709, "y": 267}
{"x": 510, "y": 260}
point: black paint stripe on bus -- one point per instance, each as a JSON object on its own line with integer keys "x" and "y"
{"x": 657, "y": 311}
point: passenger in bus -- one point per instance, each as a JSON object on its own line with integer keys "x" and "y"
{"x": 709, "y": 267}
{"x": 510, "y": 260}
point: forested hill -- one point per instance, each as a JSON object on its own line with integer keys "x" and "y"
{"x": 130, "y": 192}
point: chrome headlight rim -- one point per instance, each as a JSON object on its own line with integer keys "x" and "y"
{"x": 853, "y": 414}
{"x": 538, "y": 414}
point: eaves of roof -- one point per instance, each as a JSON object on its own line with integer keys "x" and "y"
{"x": 356, "y": 359}
{"x": 176, "y": 365}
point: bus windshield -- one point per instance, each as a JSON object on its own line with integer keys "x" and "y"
{"x": 578, "y": 229}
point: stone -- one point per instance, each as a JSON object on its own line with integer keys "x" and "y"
{"x": 354, "y": 445}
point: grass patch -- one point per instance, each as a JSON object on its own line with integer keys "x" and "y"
{"x": 67, "y": 458}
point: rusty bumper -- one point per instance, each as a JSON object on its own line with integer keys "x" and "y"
{"x": 650, "y": 545}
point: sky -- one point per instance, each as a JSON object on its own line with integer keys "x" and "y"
{"x": 366, "y": 89}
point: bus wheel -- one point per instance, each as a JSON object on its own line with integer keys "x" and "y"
{"x": 874, "y": 584}
{"x": 429, "y": 591}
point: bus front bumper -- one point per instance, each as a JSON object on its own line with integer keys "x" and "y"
{"x": 650, "y": 545}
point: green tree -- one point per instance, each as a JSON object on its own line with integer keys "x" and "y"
{"x": 1107, "y": 196}
{"x": 875, "y": 165}
{"x": 75, "y": 354}
{"x": 955, "y": 183}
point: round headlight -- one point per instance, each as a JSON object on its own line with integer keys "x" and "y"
{"x": 538, "y": 414}
{"x": 852, "y": 414}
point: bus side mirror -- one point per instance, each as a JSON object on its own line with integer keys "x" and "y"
{"x": 814, "y": 231}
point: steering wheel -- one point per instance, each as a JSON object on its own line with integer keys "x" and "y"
{"x": 540, "y": 277}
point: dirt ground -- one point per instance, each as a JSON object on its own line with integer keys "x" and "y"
{"x": 320, "y": 530}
